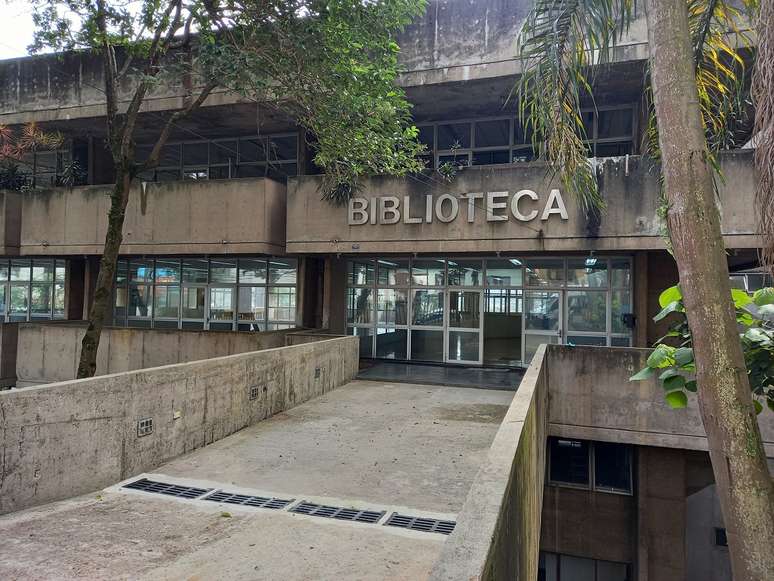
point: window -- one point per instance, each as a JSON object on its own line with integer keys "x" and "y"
{"x": 32, "y": 289}
{"x": 245, "y": 294}
{"x": 600, "y": 466}
{"x": 46, "y": 168}
{"x": 557, "y": 567}
{"x": 271, "y": 155}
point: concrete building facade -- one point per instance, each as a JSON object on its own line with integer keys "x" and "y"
{"x": 229, "y": 234}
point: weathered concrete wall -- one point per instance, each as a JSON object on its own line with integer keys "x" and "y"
{"x": 69, "y": 438}
{"x": 212, "y": 217}
{"x": 630, "y": 188}
{"x": 302, "y": 337}
{"x": 592, "y": 398}
{"x": 498, "y": 529}
{"x": 50, "y": 352}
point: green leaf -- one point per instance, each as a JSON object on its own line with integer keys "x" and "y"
{"x": 764, "y": 296}
{"x": 661, "y": 357}
{"x": 673, "y": 307}
{"x": 756, "y": 335}
{"x": 691, "y": 386}
{"x": 670, "y": 295}
{"x": 642, "y": 374}
{"x": 740, "y": 298}
{"x": 676, "y": 399}
{"x": 671, "y": 372}
{"x": 683, "y": 356}
{"x": 758, "y": 406}
{"x": 674, "y": 382}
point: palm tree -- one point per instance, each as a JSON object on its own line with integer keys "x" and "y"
{"x": 696, "y": 79}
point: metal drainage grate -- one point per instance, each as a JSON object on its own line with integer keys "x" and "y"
{"x": 337, "y": 512}
{"x": 416, "y": 523}
{"x": 146, "y": 485}
{"x": 247, "y": 500}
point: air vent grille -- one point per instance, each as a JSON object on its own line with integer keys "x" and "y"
{"x": 415, "y": 523}
{"x": 337, "y": 512}
{"x": 247, "y": 500}
{"x": 154, "y": 487}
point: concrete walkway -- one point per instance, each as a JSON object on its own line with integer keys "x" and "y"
{"x": 412, "y": 449}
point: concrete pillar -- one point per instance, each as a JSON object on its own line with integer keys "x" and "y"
{"x": 334, "y": 315}
{"x": 74, "y": 289}
{"x": 9, "y": 337}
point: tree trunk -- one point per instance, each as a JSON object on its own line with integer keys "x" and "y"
{"x": 738, "y": 460}
{"x": 87, "y": 366}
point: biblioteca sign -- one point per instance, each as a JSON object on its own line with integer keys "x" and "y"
{"x": 523, "y": 205}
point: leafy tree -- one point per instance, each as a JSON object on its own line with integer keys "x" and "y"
{"x": 329, "y": 63}
{"x": 695, "y": 78}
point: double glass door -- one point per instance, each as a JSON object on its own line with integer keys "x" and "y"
{"x": 463, "y": 331}
{"x": 542, "y": 319}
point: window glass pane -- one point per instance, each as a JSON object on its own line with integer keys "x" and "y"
{"x": 196, "y": 174}
{"x": 545, "y": 272}
{"x": 122, "y": 272}
{"x": 492, "y": 133}
{"x": 523, "y": 155}
{"x": 548, "y": 567}
{"x": 391, "y": 307}
{"x": 533, "y": 341}
{"x": 252, "y": 271}
{"x": 454, "y": 136}
{"x": 502, "y": 326}
{"x": 280, "y": 171}
{"x": 283, "y": 148}
{"x": 223, "y": 270}
{"x": 43, "y": 270}
{"x": 428, "y": 272}
{"x": 612, "y": 466}
{"x": 391, "y": 343}
{"x": 167, "y": 271}
{"x": 167, "y": 175}
{"x": 393, "y": 272}
{"x": 170, "y": 155}
{"x": 456, "y": 159}
{"x": 360, "y": 272}
{"x": 587, "y": 272}
{"x": 426, "y": 136}
{"x": 252, "y": 149}
{"x": 542, "y": 311}
{"x": 2, "y": 301}
{"x": 41, "y": 300}
{"x": 465, "y": 273}
{"x": 195, "y": 153}
{"x": 282, "y": 271}
{"x": 569, "y": 461}
{"x": 621, "y": 273}
{"x": 609, "y": 571}
{"x": 426, "y": 345}
{"x": 141, "y": 271}
{"x": 463, "y": 346}
{"x": 586, "y": 311}
{"x": 221, "y": 304}
{"x": 621, "y": 341}
{"x": 520, "y": 134}
{"x": 120, "y": 305}
{"x": 427, "y": 308}
{"x": 3, "y": 270}
{"x": 252, "y": 305}
{"x": 576, "y": 568}
{"x": 615, "y": 123}
{"x": 491, "y": 157}
{"x": 193, "y": 303}
{"x": 621, "y": 305}
{"x": 613, "y": 149}
{"x": 465, "y": 309}
{"x": 221, "y": 172}
{"x": 167, "y": 302}
{"x": 223, "y": 152}
{"x": 20, "y": 269}
{"x": 282, "y": 303}
{"x": 366, "y": 339}
{"x": 587, "y": 340}
{"x": 19, "y": 302}
{"x": 505, "y": 272}
{"x": 195, "y": 271}
{"x": 587, "y": 117}
{"x": 360, "y": 305}
{"x": 140, "y": 300}
{"x": 61, "y": 271}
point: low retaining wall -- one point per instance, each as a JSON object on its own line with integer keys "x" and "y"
{"x": 593, "y": 399}
{"x": 49, "y": 352}
{"x": 498, "y": 529}
{"x": 70, "y": 438}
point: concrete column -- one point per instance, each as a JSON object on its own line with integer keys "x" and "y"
{"x": 640, "y": 299}
{"x": 74, "y": 289}
{"x": 334, "y": 300}
{"x": 9, "y": 337}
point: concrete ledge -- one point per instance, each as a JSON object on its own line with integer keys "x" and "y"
{"x": 65, "y": 439}
{"x": 498, "y": 529}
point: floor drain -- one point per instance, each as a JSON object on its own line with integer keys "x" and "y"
{"x": 247, "y": 500}
{"x": 416, "y": 523}
{"x": 154, "y": 487}
{"x": 337, "y": 512}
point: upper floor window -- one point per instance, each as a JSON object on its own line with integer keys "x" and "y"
{"x": 557, "y": 567}
{"x": 46, "y": 168}
{"x": 274, "y": 156}
{"x": 610, "y": 131}
{"x": 600, "y": 466}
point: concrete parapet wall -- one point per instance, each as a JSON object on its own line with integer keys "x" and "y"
{"x": 592, "y": 398}
{"x": 301, "y": 337}
{"x": 70, "y": 438}
{"x": 50, "y": 352}
{"x": 498, "y": 529}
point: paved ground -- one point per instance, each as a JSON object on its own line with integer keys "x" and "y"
{"x": 408, "y": 448}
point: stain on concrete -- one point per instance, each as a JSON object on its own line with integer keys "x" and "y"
{"x": 482, "y": 413}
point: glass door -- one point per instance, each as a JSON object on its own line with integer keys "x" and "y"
{"x": 463, "y": 333}
{"x": 542, "y": 320}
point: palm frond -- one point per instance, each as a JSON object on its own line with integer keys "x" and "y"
{"x": 558, "y": 43}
